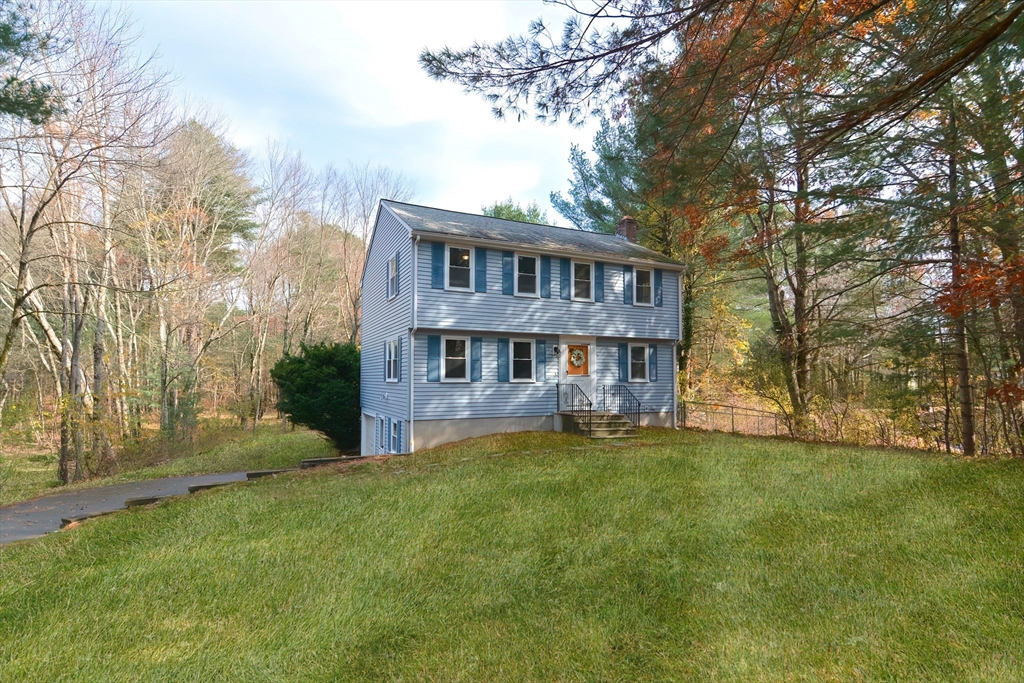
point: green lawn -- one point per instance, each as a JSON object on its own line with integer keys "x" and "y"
{"x": 25, "y": 476}
{"x": 543, "y": 557}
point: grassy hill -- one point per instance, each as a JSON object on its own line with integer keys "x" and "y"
{"x": 25, "y": 475}
{"x": 545, "y": 557}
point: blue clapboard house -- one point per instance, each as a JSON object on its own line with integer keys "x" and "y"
{"x": 474, "y": 325}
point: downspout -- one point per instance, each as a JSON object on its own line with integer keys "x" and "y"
{"x": 412, "y": 344}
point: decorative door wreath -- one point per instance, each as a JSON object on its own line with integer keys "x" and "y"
{"x": 577, "y": 358}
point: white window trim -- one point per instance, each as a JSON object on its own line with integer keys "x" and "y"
{"x": 447, "y": 267}
{"x": 511, "y": 361}
{"x": 393, "y": 294}
{"x": 381, "y": 446}
{"x": 536, "y": 274}
{"x": 469, "y": 360}
{"x": 391, "y": 355}
{"x": 647, "y": 364}
{"x": 393, "y": 445}
{"x": 636, "y": 300}
{"x": 572, "y": 280}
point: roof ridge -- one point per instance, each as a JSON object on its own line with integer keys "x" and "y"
{"x": 478, "y": 226}
{"x": 510, "y": 220}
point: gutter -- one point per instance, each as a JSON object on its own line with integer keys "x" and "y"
{"x": 412, "y": 344}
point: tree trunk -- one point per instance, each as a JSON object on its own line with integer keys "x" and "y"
{"x": 686, "y": 346}
{"x": 963, "y": 366}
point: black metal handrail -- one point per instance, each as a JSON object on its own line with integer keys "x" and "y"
{"x": 619, "y": 399}
{"x": 572, "y": 399}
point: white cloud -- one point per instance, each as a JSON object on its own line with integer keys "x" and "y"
{"x": 341, "y": 82}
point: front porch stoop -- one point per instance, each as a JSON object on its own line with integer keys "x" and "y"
{"x": 605, "y": 425}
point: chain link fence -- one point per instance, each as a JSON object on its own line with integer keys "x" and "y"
{"x": 722, "y": 417}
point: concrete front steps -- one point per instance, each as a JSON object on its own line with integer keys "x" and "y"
{"x": 604, "y": 425}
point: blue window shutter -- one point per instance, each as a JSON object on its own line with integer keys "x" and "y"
{"x": 437, "y": 265}
{"x": 623, "y": 362}
{"x": 507, "y": 265}
{"x": 502, "y": 360}
{"x": 481, "y": 270}
{"x": 398, "y": 273}
{"x": 399, "y": 359}
{"x": 476, "y": 361}
{"x": 652, "y": 363}
{"x": 599, "y": 282}
{"x": 387, "y": 436}
{"x": 401, "y": 447}
{"x": 627, "y": 284}
{"x": 565, "y": 279}
{"x": 386, "y": 344}
{"x": 545, "y": 277}
{"x": 434, "y": 358}
{"x": 542, "y": 360}
{"x": 657, "y": 286}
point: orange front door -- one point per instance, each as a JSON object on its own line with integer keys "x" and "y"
{"x": 578, "y": 360}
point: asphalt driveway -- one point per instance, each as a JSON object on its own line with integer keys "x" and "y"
{"x": 32, "y": 518}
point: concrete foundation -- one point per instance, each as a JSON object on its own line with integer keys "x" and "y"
{"x": 646, "y": 420}
{"x": 663, "y": 419}
{"x": 430, "y": 433}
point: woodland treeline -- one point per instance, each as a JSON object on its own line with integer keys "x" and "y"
{"x": 150, "y": 272}
{"x": 842, "y": 178}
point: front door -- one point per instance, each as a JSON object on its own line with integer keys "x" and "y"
{"x": 576, "y": 357}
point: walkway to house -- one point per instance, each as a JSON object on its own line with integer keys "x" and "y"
{"x": 32, "y": 518}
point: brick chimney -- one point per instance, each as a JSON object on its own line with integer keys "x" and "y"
{"x": 626, "y": 229}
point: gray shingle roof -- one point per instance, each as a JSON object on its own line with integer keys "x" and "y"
{"x": 430, "y": 221}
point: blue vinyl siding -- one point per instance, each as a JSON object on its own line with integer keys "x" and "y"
{"x": 384, "y": 319}
{"x": 531, "y": 316}
{"x": 486, "y": 398}
{"x": 653, "y": 396}
{"x": 494, "y": 398}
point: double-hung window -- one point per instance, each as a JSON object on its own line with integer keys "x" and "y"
{"x": 460, "y": 268}
{"x": 393, "y": 277}
{"x": 526, "y": 275}
{"x": 391, "y": 360}
{"x": 638, "y": 363}
{"x": 582, "y": 281}
{"x": 642, "y": 288}
{"x": 522, "y": 361}
{"x": 394, "y": 436}
{"x": 456, "y": 359}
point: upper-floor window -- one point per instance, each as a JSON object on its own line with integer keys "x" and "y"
{"x": 582, "y": 281}
{"x": 391, "y": 360}
{"x": 643, "y": 288}
{"x": 393, "y": 277}
{"x": 456, "y": 359}
{"x": 638, "y": 363}
{"x": 522, "y": 361}
{"x": 526, "y": 275}
{"x": 460, "y": 268}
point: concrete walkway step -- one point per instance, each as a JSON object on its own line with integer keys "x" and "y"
{"x": 196, "y": 488}
{"x": 144, "y": 500}
{"x": 256, "y": 474}
{"x": 317, "y": 462}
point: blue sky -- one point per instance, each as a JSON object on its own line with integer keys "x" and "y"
{"x": 340, "y": 83}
